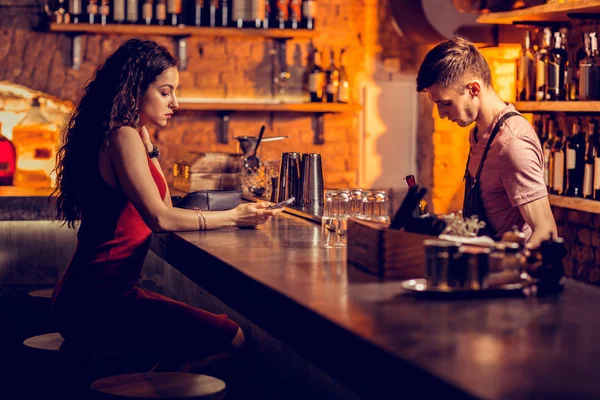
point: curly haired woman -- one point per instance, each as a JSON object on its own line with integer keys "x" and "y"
{"x": 108, "y": 177}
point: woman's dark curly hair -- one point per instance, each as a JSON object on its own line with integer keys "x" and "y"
{"x": 110, "y": 100}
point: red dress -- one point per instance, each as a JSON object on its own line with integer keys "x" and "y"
{"x": 98, "y": 298}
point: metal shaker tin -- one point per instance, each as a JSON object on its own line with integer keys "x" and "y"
{"x": 440, "y": 257}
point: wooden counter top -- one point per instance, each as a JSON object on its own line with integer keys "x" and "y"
{"x": 380, "y": 341}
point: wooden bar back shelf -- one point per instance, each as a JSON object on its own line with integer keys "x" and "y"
{"x": 556, "y": 12}
{"x": 388, "y": 253}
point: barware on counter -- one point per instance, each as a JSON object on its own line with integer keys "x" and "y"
{"x": 310, "y": 190}
{"x": 289, "y": 176}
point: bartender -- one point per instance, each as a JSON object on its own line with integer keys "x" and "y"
{"x": 504, "y": 178}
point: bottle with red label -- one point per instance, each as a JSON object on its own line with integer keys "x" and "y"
{"x": 8, "y": 161}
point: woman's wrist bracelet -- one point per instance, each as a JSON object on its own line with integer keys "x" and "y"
{"x": 201, "y": 219}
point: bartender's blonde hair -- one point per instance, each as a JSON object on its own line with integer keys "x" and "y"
{"x": 450, "y": 62}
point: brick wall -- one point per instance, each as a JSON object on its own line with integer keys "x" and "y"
{"x": 217, "y": 67}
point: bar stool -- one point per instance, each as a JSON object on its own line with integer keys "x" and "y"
{"x": 159, "y": 385}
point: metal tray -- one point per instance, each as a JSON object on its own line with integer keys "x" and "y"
{"x": 419, "y": 288}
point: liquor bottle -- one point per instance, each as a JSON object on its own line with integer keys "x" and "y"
{"x": 60, "y": 14}
{"x": 161, "y": 12}
{"x": 589, "y": 73}
{"x": 104, "y": 12}
{"x": 526, "y": 72}
{"x": 315, "y": 79}
{"x": 332, "y": 80}
{"x": 555, "y": 73}
{"x": 539, "y": 128}
{"x": 199, "y": 6}
{"x": 268, "y": 14}
{"x": 119, "y": 11}
{"x": 92, "y": 11}
{"x": 590, "y": 158}
{"x": 422, "y": 209}
{"x": 248, "y": 13}
{"x": 344, "y": 86}
{"x": 8, "y": 160}
{"x": 541, "y": 65}
{"x": 548, "y": 153}
{"x": 571, "y": 72}
{"x": 174, "y": 11}
{"x": 214, "y": 7}
{"x": 282, "y": 13}
{"x": 575, "y": 161}
{"x": 132, "y": 11}
{"x": 558, "y": 164}
{"x": 224, "y": 13}
{"x": 147, "y": 11}
{"x": 295, "y": 13}
{"x": 309, "y": 11}
{"x": 595, "y": 141}
{"x": 75, "y": 10}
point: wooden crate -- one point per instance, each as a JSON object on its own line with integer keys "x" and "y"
{"x": 388, "y": 253}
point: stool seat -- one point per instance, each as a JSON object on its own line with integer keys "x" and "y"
{"x": 161, "y": 385}
{"x": 42, "y": 294}
{"x": 47, "y": 342}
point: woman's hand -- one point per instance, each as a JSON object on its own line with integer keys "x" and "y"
{"x": 250, "y": 215}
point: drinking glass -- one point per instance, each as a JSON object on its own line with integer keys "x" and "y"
{"x": 334, "y": 222}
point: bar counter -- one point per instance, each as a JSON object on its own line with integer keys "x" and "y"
{"x": 379, "y": 341}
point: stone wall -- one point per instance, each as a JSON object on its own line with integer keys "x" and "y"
{"x": 217, "y": 67}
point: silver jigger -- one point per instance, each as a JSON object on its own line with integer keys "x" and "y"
{"x": 311, "y": 188}
{"x": 289, "y": 176}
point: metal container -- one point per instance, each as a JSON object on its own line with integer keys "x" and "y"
{"x": 439, "y": 261}
{"x": 289, "y": 176}
{"x": 472, "y": 268}
{"x": 310, "y": 191}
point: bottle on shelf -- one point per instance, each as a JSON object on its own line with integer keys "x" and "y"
{"x": 309, "y": 11}
{"x": 422, "y": 209}
{"x": 595, "y": 141}
{"x": 282, "y": 13}
{"x": 75, "y": 10}
{"x": 214, "y": 7}
{"x": 92, "y": 11}
{"x": 132, "y": 11}
{"x": 268, "y": 12}
{"x": 118, "y": 11}
{"x": 332, "y": 80}
{"x": 147, "y": 12}
{"x": 575, "y": 161}
{"x": 315, "y": 78}
{"x": 224, "y": 13}
{"x": 589, "y": 73}
{"x": 541, "y": 65}
{"x": 104, "y": 11}
{"x": 590, "y": 159}
{"x": 295, "y": 13}
{"x": 8, "y": 160}
{"x": 555, "y": 73}
{"x": 248, "y": 14}
{"x": 548, "y": 154}
{"x": 174, "y": 12}
{"x": 198, "y": 12}
{"x": 344, "y": 85}
{"x": 61, "y": 15}
{"x": 526, "y": 72}
{"x": 161, "y": 12}
{"x": 558, "y": 164}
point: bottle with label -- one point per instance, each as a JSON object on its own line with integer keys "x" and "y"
{"x": 548, "y": 153}
{"x": 295, "y": 13}
{"x": 104, "y": 11}
{"x": 214, "y": 7}
{"x": 422, "y": 209}
{"x": 174, "y": 12}
{"x": 332, "y": 80}
{"x": 75, "y": 10}
{"x": 92, "y": 11}
{"x": 309, "y": 11}
{"x": 595, "y": 141}
{"x": 118, "y": 11}
{"x": 316, "y": 79}
{"x": 161, "y": 12}
{"x": 555, "y": 73}
{"x": 589, "y": 73}
{"x": 541, "y": 65}
{"x": 8, "y": 160}
{"x": 132, "y": 11}
{"x": 248, "y": 14}
{"x": 526, "y": 72}
{"x": 282, "y": 13}
{"x": 199, "y": 13}
{"x": 575, "y": 161}
{"x": 147, "y": 12}
{"x": 344, "y": 86}
{"x": 590, "y": 158}
{"x": 224, "y": 13}
{"x": 558, "y": 164}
